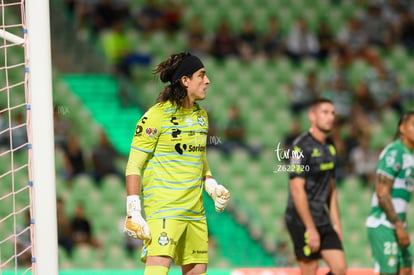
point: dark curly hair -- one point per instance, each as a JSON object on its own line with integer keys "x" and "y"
{"x": 175, "y": 91}
{"x": 404, "y": 117}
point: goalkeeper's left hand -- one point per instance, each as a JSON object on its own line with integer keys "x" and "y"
{"x": 219, "y": 194}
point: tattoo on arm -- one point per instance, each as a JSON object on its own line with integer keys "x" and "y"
{"x": 384, "y": 197}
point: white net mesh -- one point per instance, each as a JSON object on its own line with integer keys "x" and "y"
{"x": 15, "y": 188}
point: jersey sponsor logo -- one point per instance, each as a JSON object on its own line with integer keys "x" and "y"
{"x": 173, "y": 120}
{"x": 151, "y": 131}
{"x": 180, "y": 148}
{"x": 198, "y": 148}
{"x": 163, "y": 239}
{"x": 175, "y": 132}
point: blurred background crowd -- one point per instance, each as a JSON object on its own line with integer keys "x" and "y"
{"x": 267, "y": 60}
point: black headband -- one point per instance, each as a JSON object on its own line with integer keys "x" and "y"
{"x": 188, "y": 66}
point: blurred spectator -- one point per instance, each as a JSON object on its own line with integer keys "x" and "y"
{"x": 363, "y": 161}
{"x": 342, "y": 98}
{"x": 393, "y": 13}
{"x": 65, "y": 239}
{"x": 74, "y": 161}
{"x": 341, "y": 162}
{"x": 352, "y": 38}
{"x": 83, "y": 10}
{"x": 119, "y": 51}
{"x": 407, "y": 31}
{"x": 62, "y": 126}
{"x": 224, "y": 43}
{"x": 248, "y": 40}
{"x": 303, "y": 92}
{"x": 173, "y": 13}
{"x": 81, "y": 227}
{"x": 294, "y": 131}
{"x": 364, "y": 104}
{"x": 384, "y": 87}
{"x": 149, "y": 17}
{"x": 338, "y": 69}
{"x": 235, "y": 134}
{"x": 351, "y": 138}
{"x": 70, "y": 5}
{"x": 197, "y": 42}
{"x": 301, "y": 41}
{"x": 376, "y": 26}
{"x": 272, "y": 41}
{"x": 103, "y": 16}
{"x": 104, "y": 157}
{"x": 326, "y": 40}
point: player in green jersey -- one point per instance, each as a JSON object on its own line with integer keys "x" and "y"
{"x": 168, "y": 169}
{"x": 386, "y": 223}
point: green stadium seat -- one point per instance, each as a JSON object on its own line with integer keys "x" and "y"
{"x": 112, "y": 189}
{"x": 115, "y": 257}
{"x": 85, "y": 256}
{"x": 82, "y": 186}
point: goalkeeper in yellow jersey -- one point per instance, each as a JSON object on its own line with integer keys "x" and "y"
{"x": 167, "y": 170}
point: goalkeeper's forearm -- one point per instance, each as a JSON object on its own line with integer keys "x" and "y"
{"x": 133, "y": 185}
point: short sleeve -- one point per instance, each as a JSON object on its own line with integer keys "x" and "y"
{"x": 147, "y": 131}
{"x": 389, "y": 163}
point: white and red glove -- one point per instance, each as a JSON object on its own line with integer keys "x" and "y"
{"x": 219, "y": 194}
{"x": 135, "y": 226}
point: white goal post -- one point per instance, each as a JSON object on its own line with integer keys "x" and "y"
{"x": 43, "y": 159}
{"x": 35, "y": 21}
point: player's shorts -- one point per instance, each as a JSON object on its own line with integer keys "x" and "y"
{"x": 328, "y": 237}
{"x": 186, "y": 241}
{"x": 387, "y": 254}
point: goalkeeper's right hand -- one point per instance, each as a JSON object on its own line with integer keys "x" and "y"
{"x": 135, "y": 226}
{"x": 219, "y": 194}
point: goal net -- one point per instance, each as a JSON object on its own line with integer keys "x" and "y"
{"x": 27, "y": 218}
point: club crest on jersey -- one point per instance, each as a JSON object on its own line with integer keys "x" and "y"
{"x": 201, "y": 121}
{"x": 163, "y": 239}
{"x": 151, "y": 131}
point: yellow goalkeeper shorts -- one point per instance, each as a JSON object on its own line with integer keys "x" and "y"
{"x": 185, "y": 241}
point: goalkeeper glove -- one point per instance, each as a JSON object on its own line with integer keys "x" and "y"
{"x": 135, "y": 226}
{"x": 219, "y": 194}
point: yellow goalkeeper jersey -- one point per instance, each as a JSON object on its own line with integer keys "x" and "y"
{"x": 173, "y": 176}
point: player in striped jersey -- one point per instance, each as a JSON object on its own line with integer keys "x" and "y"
{"x": 168, "y": 169}
{"x": 386, "y": 223}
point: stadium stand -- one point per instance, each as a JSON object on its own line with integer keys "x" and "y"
{"x": 258, "y": 188}
{"x": 247, "y": 234}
